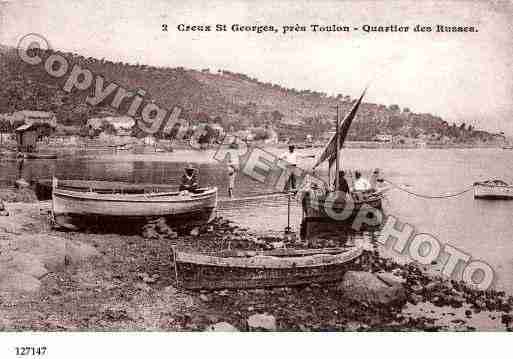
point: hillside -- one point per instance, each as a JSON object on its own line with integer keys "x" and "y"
{"x": 234, "y": 100}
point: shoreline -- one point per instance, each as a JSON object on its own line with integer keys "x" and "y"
{"x": 128, "y": 284}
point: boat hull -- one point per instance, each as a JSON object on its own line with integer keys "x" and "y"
{"x": 198, "y": 271}
{"x": 39, "y": 156}
{"x": 320, "y": 210}
{"x": 70, "y": 208}
{"x": 43, "y": 188}
{"x": 330, "y": 208}
{"x": 487, "y": 191}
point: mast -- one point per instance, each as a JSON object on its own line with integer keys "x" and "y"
{"x": 337, "y": 152}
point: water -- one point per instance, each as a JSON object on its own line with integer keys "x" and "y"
{"x": 482, "y": 229}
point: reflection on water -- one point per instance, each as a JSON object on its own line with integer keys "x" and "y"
{"x": 480, "y": 228}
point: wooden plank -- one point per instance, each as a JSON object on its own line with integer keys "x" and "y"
{"x": 282, "y": 252}
{"x": 269, "y": 262}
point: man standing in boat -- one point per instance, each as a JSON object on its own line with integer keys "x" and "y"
{"x": 291, "y": 158}
{"x": 189, "y": 179}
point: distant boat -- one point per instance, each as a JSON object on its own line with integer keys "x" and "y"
{"x": 493, "y": 189}
{"x": 70, "y": 207}
{"x": 259, "y": 269}
{"x": 39, "y": 156}
{"x": 509, "y": 147}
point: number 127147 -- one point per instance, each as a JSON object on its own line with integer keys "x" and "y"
{"x": 30, "y": 351}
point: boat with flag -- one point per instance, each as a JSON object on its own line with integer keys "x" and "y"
{"x": 330, "y": 205}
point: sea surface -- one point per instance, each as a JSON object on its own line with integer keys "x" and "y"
{"x": 482, "y": 229}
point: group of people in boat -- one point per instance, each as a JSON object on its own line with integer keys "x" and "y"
{"x": 360, "y": 184}
{"x": 190, "y": 183}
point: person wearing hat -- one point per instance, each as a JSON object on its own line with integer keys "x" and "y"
{"x": 291, "y": 158}
{"x": 189, "y": 179}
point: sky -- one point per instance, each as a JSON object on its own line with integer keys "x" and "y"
{"x": 463, "y": 77}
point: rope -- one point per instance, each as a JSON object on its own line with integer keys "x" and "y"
{"x": 429, "y": 196}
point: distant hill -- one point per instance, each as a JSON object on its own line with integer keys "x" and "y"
{"x": 234, "y": 100}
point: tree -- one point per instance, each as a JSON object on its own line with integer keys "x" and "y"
{"x": 276, "y": 116}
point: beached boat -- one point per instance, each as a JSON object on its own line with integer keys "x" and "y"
{"x": 493, "y": 189}
{"x": 39, "y": 156}
{"x": 259, "y": 269}
{"x": 327, "y": 205}
{"x": 70, "y": 208}
{"x": 43, "y": 188}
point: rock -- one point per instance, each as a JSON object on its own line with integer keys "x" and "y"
{"x": 221, "y": 327}
{"x": 277, "y": 245}
{"x": 195, "y": 232}
{"x": 78, "y": 252}
{"x": 416, "y": 299}
{"x": 355, "y": 326}
{"x": 506, "y": 319}
{"x": 416, "y": 288}
{"x": 262, "y": 321}
{"x": 390, "y": 278}
{"x": 147, "y": 278}
{"x": 15, "y": 282}
{"x": 366, "y": 287}
{"x": 143, "y": 287}
{"x": 23, "y": 263}
{"x": 204, "y": 298}
{"x": 170, "y": 291}
{"x": 431, "y": 286}
{"x": 21, "y": 183}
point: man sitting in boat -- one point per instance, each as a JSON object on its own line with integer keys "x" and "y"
{"x": 342, "y": 182}
{"x": 189, "y": 180}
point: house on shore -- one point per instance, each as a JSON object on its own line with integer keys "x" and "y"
{"x": 122, "y": 124}
{"x": 35, "y": 126}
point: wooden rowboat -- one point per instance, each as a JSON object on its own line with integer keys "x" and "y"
{"x": 69, "y": 207}
{"x": 493, "y": 189}
{"x": 43, "y": 188}
{"x": 259, "y": 269}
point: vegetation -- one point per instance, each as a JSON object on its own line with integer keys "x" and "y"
{"x": 233, "y": 100}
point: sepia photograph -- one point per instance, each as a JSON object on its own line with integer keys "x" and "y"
{"x": 240, "y": 166}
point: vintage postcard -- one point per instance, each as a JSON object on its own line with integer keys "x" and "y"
{"x": 234, "y": 166}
